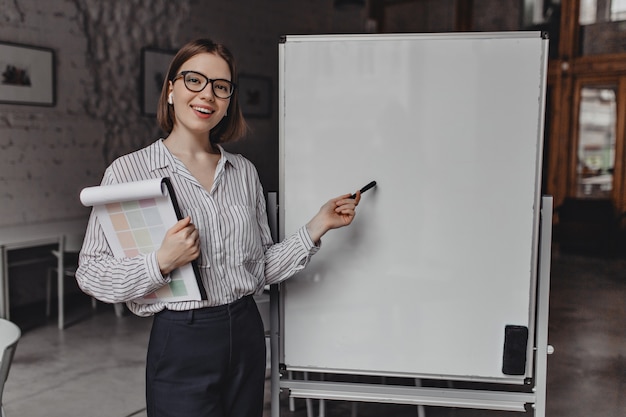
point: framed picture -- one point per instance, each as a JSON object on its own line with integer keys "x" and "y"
{"x": 154, "y": 64}
{"x": 255, "y": 95}
{"x": 27, "y": 75}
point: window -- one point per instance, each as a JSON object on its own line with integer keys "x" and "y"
{"x": 596, "y": 141}
{"x": 594, "y": 11}
{"x": 618, "y": 10}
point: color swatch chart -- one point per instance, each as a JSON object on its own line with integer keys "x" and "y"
{"x": 140, "y": 230}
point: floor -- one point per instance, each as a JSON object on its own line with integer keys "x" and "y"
{"x": 95, "y": 367}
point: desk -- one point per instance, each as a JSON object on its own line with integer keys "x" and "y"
{"x": 31, "y": 236}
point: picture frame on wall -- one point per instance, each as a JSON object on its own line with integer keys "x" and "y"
{"x": 154, "y": 65}
{"x": 27, "y": 75}
{"x": 255, "y": 95}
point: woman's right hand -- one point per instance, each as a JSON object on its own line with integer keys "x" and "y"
{"x": 180, "y": 246}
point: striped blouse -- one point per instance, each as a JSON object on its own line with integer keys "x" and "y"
{"x": 238, "y": 256}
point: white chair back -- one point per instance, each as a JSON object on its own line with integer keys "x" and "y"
{"x": 9, "y": 336}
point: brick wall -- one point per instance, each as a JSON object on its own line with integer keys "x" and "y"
{"x": 48, "y": 153}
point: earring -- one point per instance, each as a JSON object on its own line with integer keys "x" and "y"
{"x": 170, "y": 98}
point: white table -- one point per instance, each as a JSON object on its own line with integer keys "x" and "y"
{"x": 31, "y": 236}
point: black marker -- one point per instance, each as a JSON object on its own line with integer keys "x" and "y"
{"x": 364, "y": 189}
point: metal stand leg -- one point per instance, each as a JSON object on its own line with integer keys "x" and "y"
{"x": 292, "y": 401}
{"x": 274, "y": 358}
{"x": 61, "y": 283}
{"x": 309, "y": 402}
{"x": 421, "y": 411}
{"x": 543, "y": 306}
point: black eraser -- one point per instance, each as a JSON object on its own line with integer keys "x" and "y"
{"x": 515, "y": 348}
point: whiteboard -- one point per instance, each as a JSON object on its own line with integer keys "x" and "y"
{"x": 442, "y": 254}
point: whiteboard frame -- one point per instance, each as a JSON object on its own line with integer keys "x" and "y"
{"x": 535, "y": 365}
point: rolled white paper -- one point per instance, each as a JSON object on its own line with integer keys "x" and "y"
{"x": 137, "y": 190}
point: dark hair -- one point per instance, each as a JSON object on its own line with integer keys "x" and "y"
{"x": 231, "y": 127}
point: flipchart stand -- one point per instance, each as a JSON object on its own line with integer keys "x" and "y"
{"x": 444, "y": 397}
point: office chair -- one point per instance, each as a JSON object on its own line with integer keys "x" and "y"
{"x": 9, "y": 336}
{"x": 67, "y": 262}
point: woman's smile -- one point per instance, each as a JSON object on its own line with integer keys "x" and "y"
{"x": 203, "y": 111}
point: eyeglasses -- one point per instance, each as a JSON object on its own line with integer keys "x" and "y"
{"x": 196, "y": 82}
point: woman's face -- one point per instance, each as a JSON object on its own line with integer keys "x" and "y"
{"x": 199, "y": 112}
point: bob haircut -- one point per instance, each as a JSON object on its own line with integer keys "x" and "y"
{"x": 231, "y": 127}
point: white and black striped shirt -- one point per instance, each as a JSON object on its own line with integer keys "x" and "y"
{"x": 237, "y": 257}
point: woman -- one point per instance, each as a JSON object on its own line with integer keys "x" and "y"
{"x": 205, "y": 358}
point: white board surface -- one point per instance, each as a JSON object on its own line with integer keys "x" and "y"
{"x": 442, "y": 254}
